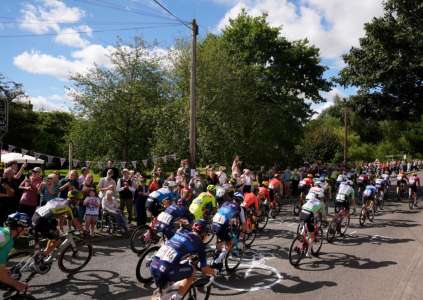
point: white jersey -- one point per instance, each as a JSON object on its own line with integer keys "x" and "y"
{"x": 345, "y": 191}
{"x": 315, "y": 191}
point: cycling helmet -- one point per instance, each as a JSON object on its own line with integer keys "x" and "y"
{"x": 239, "y": 197}
{"x": 17, "y": 219}
{"x": 318, "y": 183}
{"x": 220, "y": 192}
{"x": 199, "y": 226}
{"x": 349, "y": 182}
{"x": 265, "y": 183}
{"x": 211, "y": 188}
{"x": 309, "y": 175}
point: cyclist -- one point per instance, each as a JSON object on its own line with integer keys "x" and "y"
{"x": 155, "y": 199}
{"x": 402, "y": 182}
{"x": 275, "y": 186}
{"x": 16, "y": 224}
{"x": 345, "y": 195}
{"x": 227, "y": 214}
{"x": 173, "y": 214}
{"x": 168, "y": 265}
{"x": 204, "y": 204}
{"x": 305, "y": 185}
{"x": 251, "y": 203}
{"x": 413, "y": 183}
{"x": 380, "y": 186}
{"x": 369, "y": 194}
{"x": 385, "y": 177}
{"x": 311, "y": 212}
{"x": 45, "y": 222}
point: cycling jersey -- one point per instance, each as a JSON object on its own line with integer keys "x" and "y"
{"x": 55, "y": 208}
{"x": 6, "y": 244}
{"x": 264, "y": 192}
{"x": 162, "y": 194}
{"x": 414, "y": 181}
{"x": 379, "y": 183}
{"x": 315, "y": 191}
{"x": 306, "y": 182}
{"x": 402, "y": 179}
{"x": 167, "y": 218}
{"x": 166, "y": 265}
{"x": 340, "y": 178}
{"x": 313, "y": 206}
{"x": 369, "y": 191}
{"x": 385, "y": 177}
{"x": 345, "y": 193}
{"x": 250, "y": 200}
{"x": 275, "y": 183}
{"x": 229, "y": 210}
{"x": 203, "y": 201}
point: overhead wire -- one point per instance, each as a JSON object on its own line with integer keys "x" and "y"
{"x": 172, "y": 14}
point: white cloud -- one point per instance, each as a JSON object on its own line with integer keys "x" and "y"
{"x": 332, "y": 25}
{"x": 48, "y": 16}
{"x": 329, "y": 97}
{"x": 80, "y": 62}
{"x": 71, "y": 37}
{"x": 49, "y": 103}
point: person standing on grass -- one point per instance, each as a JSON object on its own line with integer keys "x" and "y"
{"x": 69, "y": 183}
{"x": 107, "y": 184}
{"x": 84, "y": 173}
{"x": 140, "y": 198}
{"x": 109, "y": 166}
{"x": 48, "y": 189}
{"x": 126, "y": 188}
{"x": 29, "y": 199}
{"x": 92, "y": 209}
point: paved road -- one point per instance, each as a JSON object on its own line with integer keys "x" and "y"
{"x": 383, "y": 260}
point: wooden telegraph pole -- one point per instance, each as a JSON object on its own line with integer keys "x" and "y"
{"x": 345, "y": 132}
{"x": 193, "y": 98}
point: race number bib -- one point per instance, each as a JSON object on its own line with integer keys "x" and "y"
{"x": 167, "y": 253}
{"x": 340, "y": 197}
{"x": 43, "y": 211}
{"x": 219, "y": 219}
{"x": 165, "y": 218}
{"x": 367, "y": 193}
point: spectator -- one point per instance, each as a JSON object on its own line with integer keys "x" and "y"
{"x": 157, "y": 174}
{"x": 110, "y": 206}
{"x": 17, "y": 177}
{"x": 69, "y": 183}
{"x": 247, "y": 180}
{"x": 221, "y": 175}
{"x": 30, "y": 186}
{"x": 184, "y": 170}
{"x": 212, "y": 177}
{"x": 110, "y": 166}
{"x": 49, "y": 189}
{"x": 8, "y": 195}
{"x": 196, "y": 185}
{"x": 126, "y": 188}
{"x": 295, "y": 181}
{"x": 286, "y": 180}
{"x": 92, "y": 209}
{"x": 107, "y": 184}
{"x": 236, "y": 167}
{"x": 154, "y": 184}
{"x": 140, "y": 198}
{"x": 84, "y": 172}
{"x": 87, "y": 185}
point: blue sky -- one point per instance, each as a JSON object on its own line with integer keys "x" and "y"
{"x": 62, "y": 37}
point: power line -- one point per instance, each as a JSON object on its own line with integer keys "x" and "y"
{"x": 121, "y": 8}
{"x": 82, "y": 31}
{"x": 172, "y": 14}
{"x": 90, "y": 23}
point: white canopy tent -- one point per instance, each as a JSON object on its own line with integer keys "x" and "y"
{"x": 11, "y": 156}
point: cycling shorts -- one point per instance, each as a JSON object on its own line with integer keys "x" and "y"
{"x": 164, "y": 272}
{"x": 153, "y": 207}
{"x": 341, "y": 204}
{"x": 45, "y": 227}
{"x": 222, "y": 231}
{"x": 167, "y": 230}
{"x": 308, "y": 218}
{"x": 413, "y": 188}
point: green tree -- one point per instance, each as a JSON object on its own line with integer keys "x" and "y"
{"x": 388, "y": 65}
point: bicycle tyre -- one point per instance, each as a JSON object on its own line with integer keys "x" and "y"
{"x": 382, "y": 202}
{"x": 80, "y": 244}
{"x": 145, "y": 256}
{"x": 346, "y": 222}
{"x": 362, "y": 217}
{"x": 235, "y": 252}
{"x": 318, "y": 241}
{"x": 262, "y": 221}
{"x": 331, "y": 233}
{"x": 411, "y": 203}
{"x": 210, "y": 234}
{"x": 137, "y": 241}
{"x": 193, "y": 292}
{"x": 371, "y": 213}
{"x": 294, "y": 261}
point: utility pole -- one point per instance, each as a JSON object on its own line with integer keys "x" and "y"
{"x": 70, "y": 156}
{"x": 193, "y": 99}
{"x": 345, "y": 132}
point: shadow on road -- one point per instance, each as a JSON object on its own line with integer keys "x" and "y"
{"x": 358, "y": 239}
{"x": 94, "y": 284}
{"x": 327, "y": 261}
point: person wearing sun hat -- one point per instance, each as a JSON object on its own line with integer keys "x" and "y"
{"x": 29, "y": 200}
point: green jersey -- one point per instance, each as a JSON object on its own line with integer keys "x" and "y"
{"x": 6, "y": 245}
{"x": 314, "y": 205}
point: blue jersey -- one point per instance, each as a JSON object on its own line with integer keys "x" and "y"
{"x": 226, "y": 212}
{"x": 183, "y": 243}
{"x": 370, "y": 190}
{"x": 173, "y": 213}
{"x": 162, "y": 194}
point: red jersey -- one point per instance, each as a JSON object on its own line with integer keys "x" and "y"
{"x": 250, "y": 200}
{"x": 308, "y": 181}
{"x": 275, "y": 183}
{"x": 264, "y": 192}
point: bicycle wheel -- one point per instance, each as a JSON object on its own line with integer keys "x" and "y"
{"x": 275, "y": 211}
{"x": 210, "y": 234}
{"x": 142, "y": 270}
{"x": 318, "y": 242}
{"x": 345, "y": 223}
{"x": 72, "y": 259}
{"x": 233, "y": 257}
{"x": 200, "y": 289}
{"x": 296, "y": 208}
{"x": 362, "y": 218}
{"x": 262, "y": 220}
{"x": 297, "y": 250}
{"x": 250, "y": 237}
{"x": 411, "y": 202}
{"x": 382, "y": 201}
{"x": 140, "y": 239}
{"x": 331, "y": 233}
{"x": 371, "y": 213}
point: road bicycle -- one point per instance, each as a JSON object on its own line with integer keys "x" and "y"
{"x": 380, "y": 198}
{"x": 263, "y": 219}
{"x": 401, "y": 190}
{"x": 300, "y": 244}
{"x": 339, "y": 224}
{"x": 367, "y": 212}
{"x": 412, "y": 199}
{"x": 252, "y": 226}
